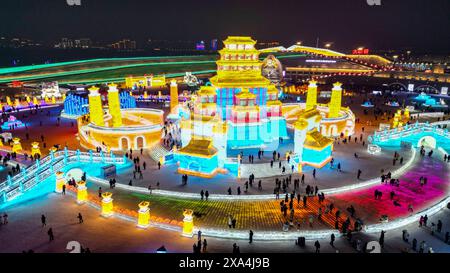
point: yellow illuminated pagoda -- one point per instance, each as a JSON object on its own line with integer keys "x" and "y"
{"x": 239, "y": 110}
{"x": 239, "y": 65}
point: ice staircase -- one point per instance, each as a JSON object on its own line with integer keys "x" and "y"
{"x": 157, "y": 151}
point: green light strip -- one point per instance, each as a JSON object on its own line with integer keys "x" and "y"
{"x": 8, "y": 70}
{"x": 121, "y": 79}
{"x": 93, "y": 70}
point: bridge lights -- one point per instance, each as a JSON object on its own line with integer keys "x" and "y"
{"x": 81, "y": 192}
{"x": 143, "y": 214}
{"x": 60, "y": 181}
{"x": 188, "y": 223}
{"x": 35, "y": 149}
{"x": 107, "y": 204}
{"x": 16, "y": 147}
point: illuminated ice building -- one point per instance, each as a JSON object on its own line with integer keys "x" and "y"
{"x": 118, "y": 127}
{"x": 242, "y": 98}
{"x": 240, "y": 110}
{"x": 76, "y": 105}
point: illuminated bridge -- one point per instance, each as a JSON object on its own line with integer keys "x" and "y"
{"x": 21, "y": 184}
{"x": 418, "y": 134}
{"x": 373, "y": 61}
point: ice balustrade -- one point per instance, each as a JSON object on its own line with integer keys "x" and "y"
{"x": 409, "y": 130}
{"x": 31, "y": 176}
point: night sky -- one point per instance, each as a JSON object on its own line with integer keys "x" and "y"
{"x": 418, "y": 24}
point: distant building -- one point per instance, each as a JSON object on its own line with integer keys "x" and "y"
{"x": 82, "y": 43}
{"x": 66, "y": 43}
{"x": 200, "y": 45}
{"x": 124, "y": 44}
{"x": 267, "y": 44}
{"x": 214, "y": 44}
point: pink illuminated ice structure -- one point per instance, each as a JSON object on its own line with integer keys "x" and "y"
{"x": 410, "y": 192}
{"x": 12, "y": 123}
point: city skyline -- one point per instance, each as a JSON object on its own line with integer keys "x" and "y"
{"x": 288, "y": 22}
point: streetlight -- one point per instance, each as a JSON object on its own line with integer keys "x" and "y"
{"x": 328, "y": 45}
{"x": 298, "y": 43}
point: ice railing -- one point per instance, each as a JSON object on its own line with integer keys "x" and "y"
{"x": 29, "y": 177}
{"x": 409, "y": 130}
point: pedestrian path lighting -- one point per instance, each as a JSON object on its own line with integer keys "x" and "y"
{"x": 188, "y": 223}
{"x": 16, "y": 147}
{"x": 35, "y": 148}
{"x": 81, "y": 192}
{"x": 60, "y": 181}
{"x": 143, "y": 214}
{"x": 107, "y": 204}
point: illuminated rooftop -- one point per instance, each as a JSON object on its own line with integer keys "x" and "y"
{"x": 239, "y": 40}
{"x": 201, "y": 147}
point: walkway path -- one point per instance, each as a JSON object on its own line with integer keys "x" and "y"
{"x": 409, "y": 192}
{"x": 258, "y": 215}
{"x": 326, "y": 177}
{"x": 264, "y": 215}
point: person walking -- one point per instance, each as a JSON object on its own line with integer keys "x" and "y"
{"x": 50, "y": 234}
{"x": 204, "y": 245}
{"x": 333, "y": 238}
{"x": 439, "y": 226}
{"x": 64, "y": 189}
{"x": 43, "y": 220}
{"x": 422, "y": 246}
{"x": 317, "y": 245}
{"x": 80, "y": 218}
{"x": 5, "y": 218}
{"x": 250, "y": 237}
{"x": 414, "y": 244}
{"x": 381, "y": 240}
